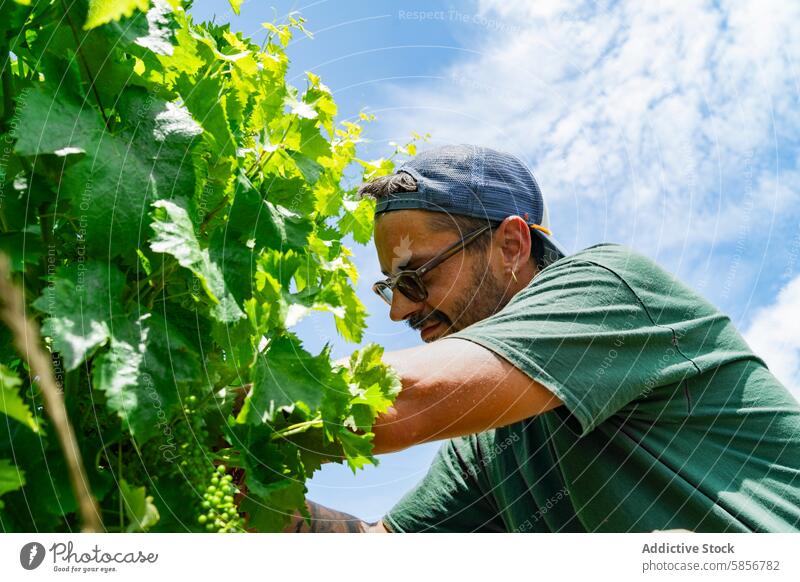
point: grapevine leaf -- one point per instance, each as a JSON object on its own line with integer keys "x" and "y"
{"x": 367, "y": 369}
{"x": 46, "y": 476}
{"x": 262, "y": 517}
{"x": 269, "y": 225}
{"x": 373, "y": 385}
{"x": 23, "y": 248}
{"x": 236, "y": 5}
{"x": 11, "y": 478}
{"x": 11, "y": 403}
{"x": 300, "y": 108}
{"x": 80, "y": 302}
{"x": 13, "y": 16}
{"x": 284, "y": 377}
{"x": 292, "y": 192}
{"x": 351, "y": 324}
{"x": 309, "y": 168}
{"x": 273, "y": 512}
{"x": 312, "y": 143}
{"x": 119, "y": 174}
{"x": 140, "y": 373}
{"x": 207, "y": 102}
{"x": 138, "y": 507}
{"x": 357, "y": 448}
{"x": 328, "y": 198}
{"x": 358, "y": 219}
{"x": 152, "y": 31}
{"x": 55, "y": 121}
{"x": 236, "y": 262}
{"x": 174, "y": 235}
{"x": 103, "y": 11}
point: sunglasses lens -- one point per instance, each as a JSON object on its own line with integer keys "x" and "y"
{"x": 384, "y": 291}
{"x": 408, "y": 285}
{"x": 412, "y": 288}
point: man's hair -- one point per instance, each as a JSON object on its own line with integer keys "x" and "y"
{"x": 457, "y": 223}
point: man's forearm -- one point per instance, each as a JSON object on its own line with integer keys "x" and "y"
{"x": 326, "y": 520}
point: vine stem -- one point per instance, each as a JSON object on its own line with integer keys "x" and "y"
{"x": 78, "y": 50}
{"x": 297, "y": 428}
{"x": 27, "y": 341}
{"x": 8, "y": 85}
{"x": 258, "y": 163}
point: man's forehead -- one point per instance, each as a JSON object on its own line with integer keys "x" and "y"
{"x": 402, "y": 238}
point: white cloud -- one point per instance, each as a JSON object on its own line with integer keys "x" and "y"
{"x": 659, "y": 125}
{"x": 774, "y": 335}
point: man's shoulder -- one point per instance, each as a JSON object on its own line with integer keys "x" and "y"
{"x": 605, "y": 254}
{"x": 620, "y": 261}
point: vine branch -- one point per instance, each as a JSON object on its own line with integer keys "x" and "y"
{"x": 28, "y": 343}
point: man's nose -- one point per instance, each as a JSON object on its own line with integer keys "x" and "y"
{"x": 402, "y": 307}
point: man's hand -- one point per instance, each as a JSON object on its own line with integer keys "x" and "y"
{"x": 326, "y": 520}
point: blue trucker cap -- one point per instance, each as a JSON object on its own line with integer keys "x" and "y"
{"x": 479, "y": 182}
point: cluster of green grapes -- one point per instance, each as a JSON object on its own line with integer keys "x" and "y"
{"x": 220, "y": 515}
{"x": 191, "y": 436}
{"x": 219, "y": 512}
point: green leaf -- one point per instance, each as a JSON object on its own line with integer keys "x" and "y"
{"x": 300, "y": 108}
{"x": 102, "y": 11}
{"x": 367, "y": 369}
{"x": 357, "y": 449}
{"x": 236, "y": 5}
{"x": 358, "y": 219}
{"x": 23, "y": 248}
{"x": 11, "y": 478}
{"x": 206, "y": 99}
{"x": 373, "y": 385}
{"x": 273, "y": 512}
{"x": 119, "y": 175}
{"x": 285, "y": 377}
{"x": 81, "y": 301}
{"x": 142, "y": 371}
{"x": 51, "y": 121}
{"x": 269, "y": 225}
{"x": 351, "y": 325}
{"x": 138, "y": 507}
{"x": 152, "y": 31}
{"x": 174, "y": 235}
{"x": 310, "y": 169}
{"x": 11, "y": 403}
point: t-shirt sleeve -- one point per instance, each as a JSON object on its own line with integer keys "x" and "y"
{"x": 581, "y": 331}
{"x": 450, "y": 498}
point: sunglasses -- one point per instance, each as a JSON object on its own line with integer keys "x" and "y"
{"x": 409, "y": 282}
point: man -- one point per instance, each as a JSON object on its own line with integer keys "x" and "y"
{"x": 583, "y": 393}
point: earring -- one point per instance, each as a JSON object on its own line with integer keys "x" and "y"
{"x": 514, "y": 276}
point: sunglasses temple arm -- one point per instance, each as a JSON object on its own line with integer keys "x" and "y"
{"x": 456, "y": 247}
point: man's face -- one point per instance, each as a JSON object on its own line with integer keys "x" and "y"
{"x": 461, "y": 290}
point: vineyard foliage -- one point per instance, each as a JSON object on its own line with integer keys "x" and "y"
{"x": 171, "y": 207}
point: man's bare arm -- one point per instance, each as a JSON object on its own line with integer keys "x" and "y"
{"x": 326, "y": 520}
{"x": 454, "y": 387}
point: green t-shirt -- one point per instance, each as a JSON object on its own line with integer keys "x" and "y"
{"x": 669, "y": 419}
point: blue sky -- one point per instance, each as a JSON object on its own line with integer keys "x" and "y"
{"x": 671, "y": 129}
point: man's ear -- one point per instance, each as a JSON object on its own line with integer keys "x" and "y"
{"x": 514, "y": 239}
